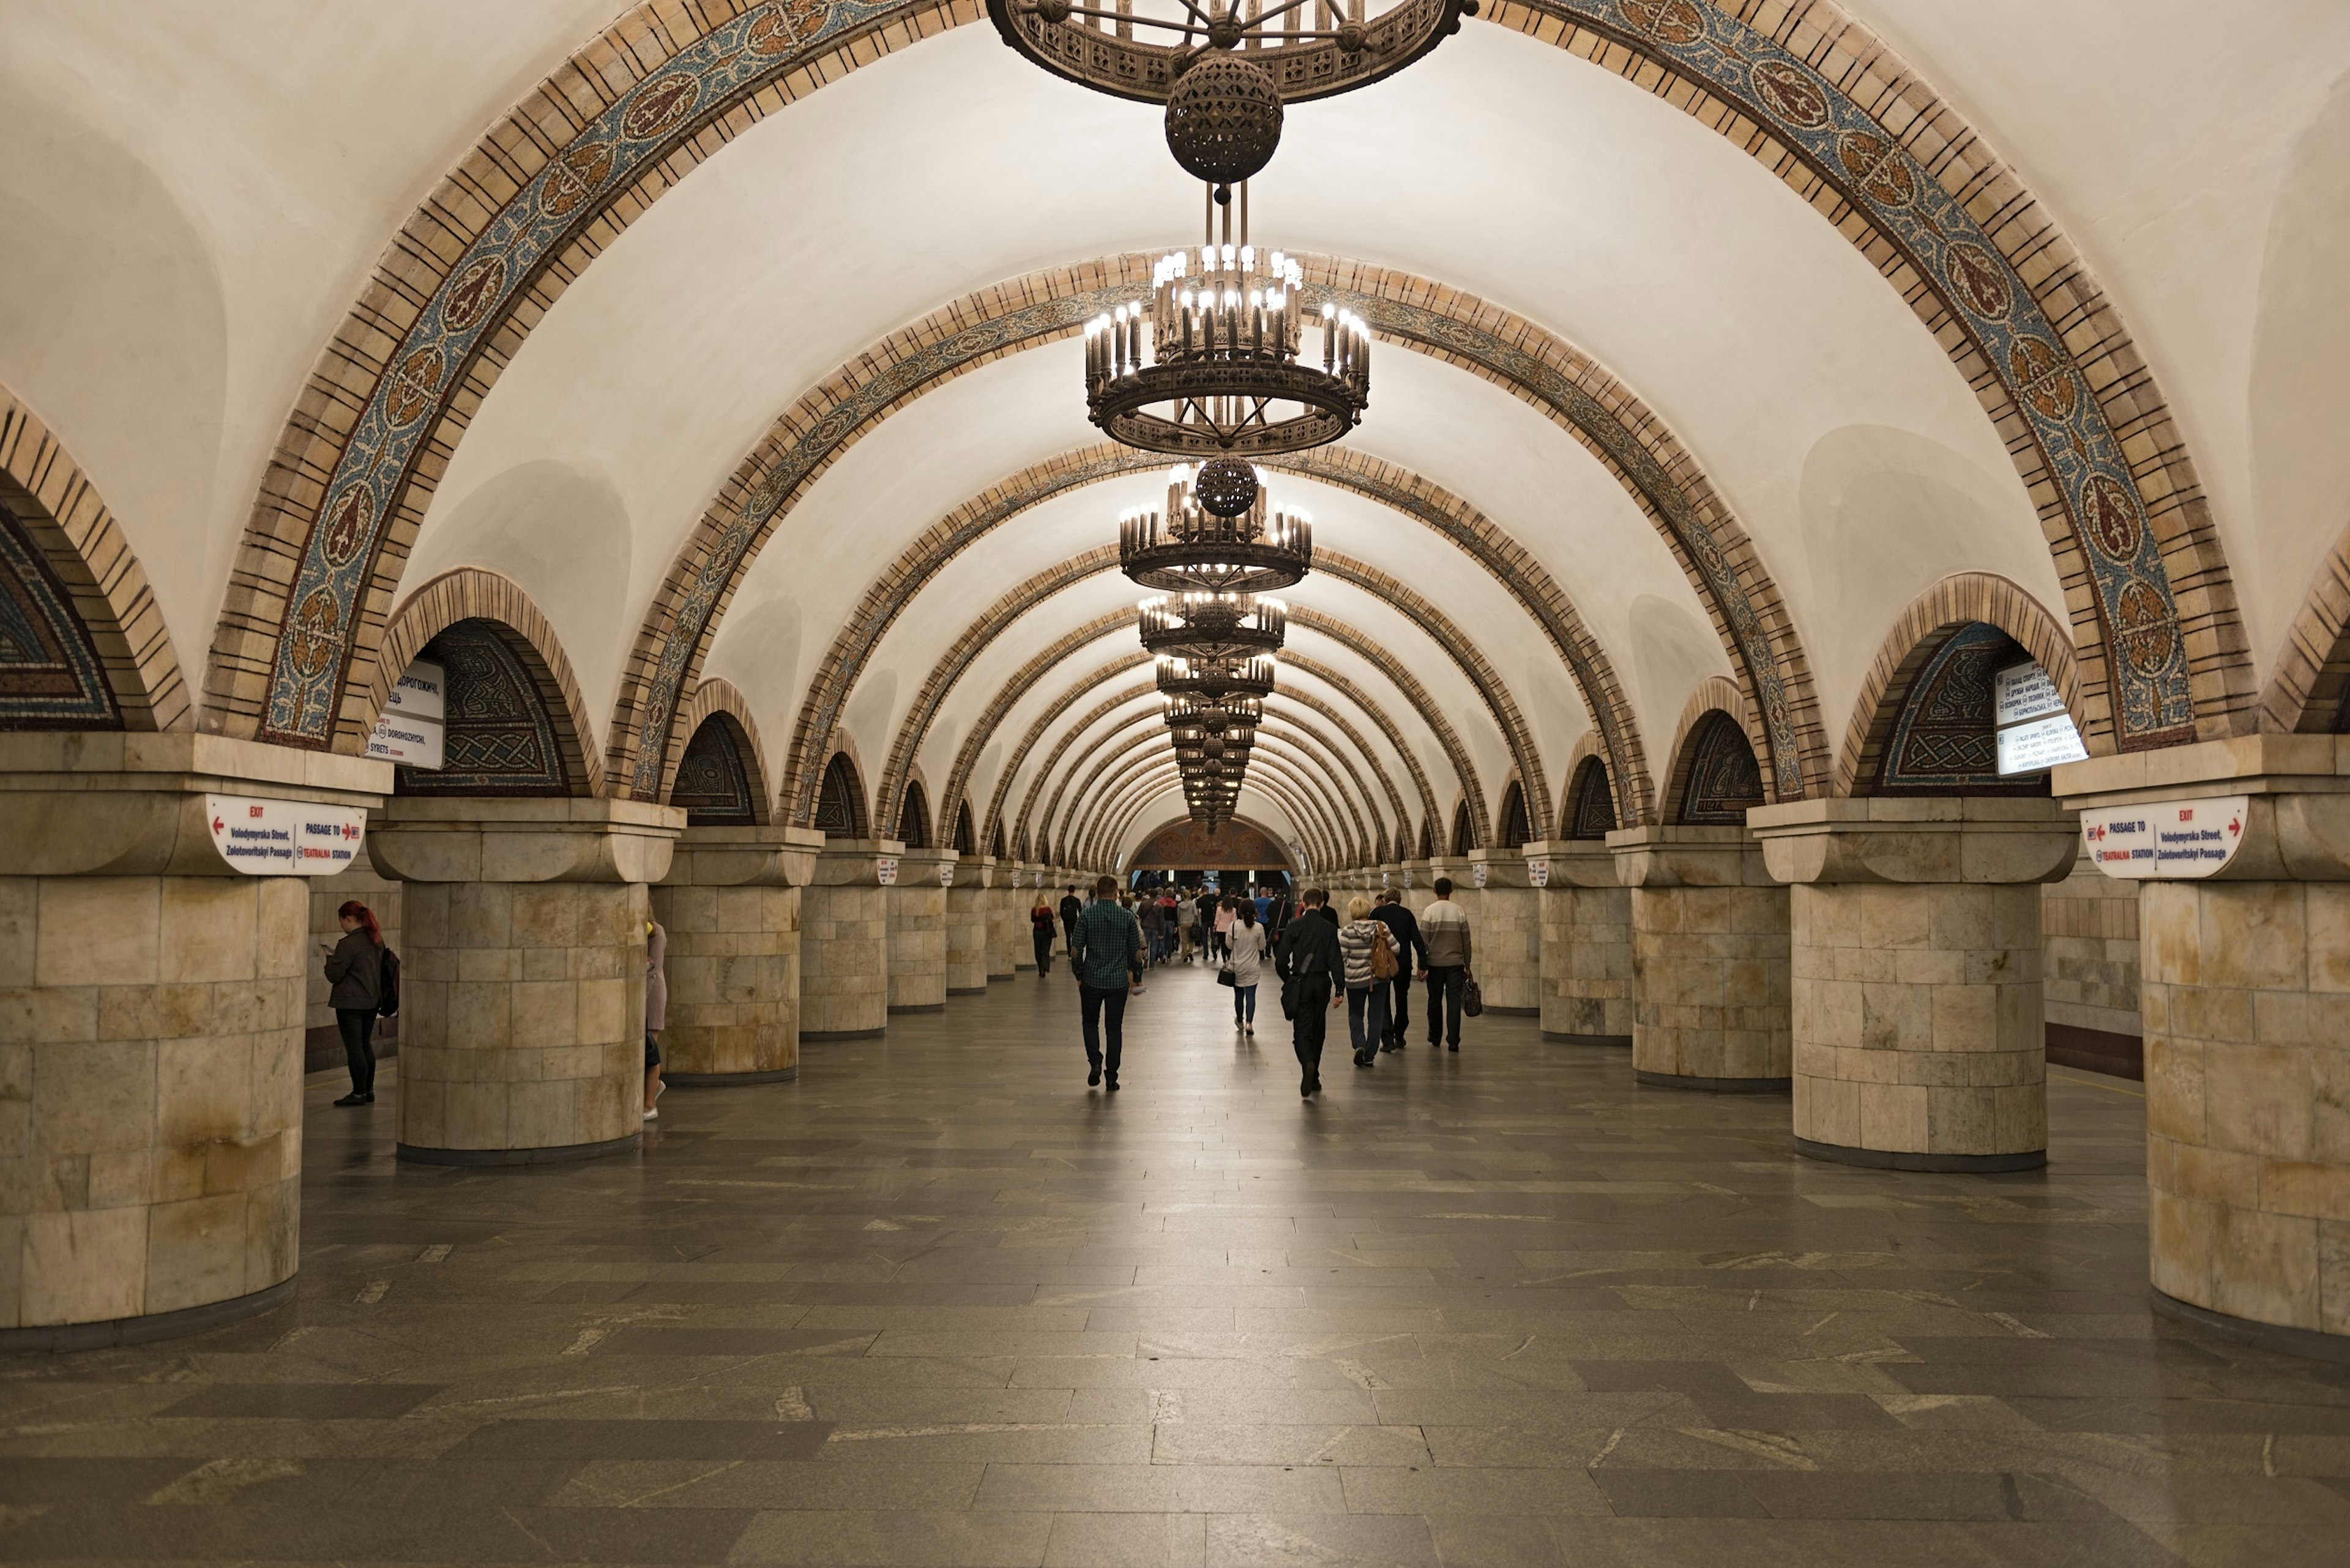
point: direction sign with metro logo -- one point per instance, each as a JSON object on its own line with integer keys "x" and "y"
{"x": 2165, "y": 840}
{"x": 285, "y": 837}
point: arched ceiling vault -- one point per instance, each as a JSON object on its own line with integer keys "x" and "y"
{"x": 1323, "y": 815}
{"x": 577, "y": 201}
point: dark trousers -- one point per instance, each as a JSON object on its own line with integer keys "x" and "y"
{"x": 1444, "y": 987}
{"x": 1398, "y": 989}
{"x": 1311, "y": 1023}
{"x": 1045, "y": 950}
{"x": 357, "y": 1024}
{"x": 1367, "y": 1018}
{"x": 1103, "y": 1006}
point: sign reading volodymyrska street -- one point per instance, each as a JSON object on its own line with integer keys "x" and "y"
{"x": 886, "y": 869}
{"x": 2165, "y": 839}
{"x": 284, "y": 838}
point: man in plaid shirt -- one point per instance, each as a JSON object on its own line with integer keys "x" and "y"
{"x": 1106, "y": 949}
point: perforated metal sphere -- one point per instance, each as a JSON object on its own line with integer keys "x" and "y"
{"x": 1224, "y": 118}
{"x": 1226, "y": 486}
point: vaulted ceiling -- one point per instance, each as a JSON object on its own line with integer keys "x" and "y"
{"x": 209, "y": 212}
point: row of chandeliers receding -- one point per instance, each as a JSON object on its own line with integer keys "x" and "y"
{"x": 1229, "y": 357}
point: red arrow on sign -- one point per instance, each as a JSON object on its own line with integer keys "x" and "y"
{"x": 217, "y": 825}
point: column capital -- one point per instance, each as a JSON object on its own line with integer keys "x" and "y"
{"x": 745, "y": 858}
{"x": 1660, "y": 856}
{"x": 2004, "y": 840}
{"x": 975, "y": 871}
{"x": 472, "y": 839}
{"x": 846, "y": 862}
{"x": 1504, "y": 868}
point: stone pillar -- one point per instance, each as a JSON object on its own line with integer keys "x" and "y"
{"x": 1413, "y": 881}
{"x": 1005, "y": 920}
{"x": 1587, "y": 944}
{"x": 523, "y": 985}
{"x": 731, "y": 905}
{"x": 1709, "y": 999}
{"x": 1026, "y": 879}
{"x": 845, "y": 942}
{"x": 2246, "y": 1002}
{"x": 1915, "y": 948}
{"x": 970, "y": 903}
{"x": 1507, "y": 917}
{"x": 918, "y": 930}
{"x": 152, "y": 1013}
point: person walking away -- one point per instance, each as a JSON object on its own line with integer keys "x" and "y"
{"x": 1187, "y": 927}
{"x": 1444, "y": 931}
{"x": 1247, "y": 964}
{"x": 656, "y": 1012}
{"x": 1363, "y": 944}
{"x": 1411, "y": 957}
{"x": 1071, "y": 907}
{"x": 1307, "y": 959}
{"x": 1261, "y": 901}
{"x": 1168, "y": 908}
{"x": 1106, "y": 951}
{"x": 1225, "y": 915}
{"x": 1205, "y": 905}
{"x": 355, "y": 973}
{"x": 1276, "y": 920}
{"x": 1153, "y": 921}
{"x": 1040, "y": 931}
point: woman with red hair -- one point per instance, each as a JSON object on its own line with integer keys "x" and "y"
{"x": 355, "y": 970}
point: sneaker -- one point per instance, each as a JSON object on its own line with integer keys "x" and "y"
{"x": 1248, "y": 1028}
{"x": 1093, "y": 1077}
{"x": 651, "y": 1114}
{"x": 353, "y": 1099}
{"x": 1110, "y": 1087}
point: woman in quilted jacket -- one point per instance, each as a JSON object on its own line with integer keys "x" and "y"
{"x": 1359, "y": 941}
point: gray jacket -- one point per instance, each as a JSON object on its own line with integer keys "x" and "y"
{"x": 355, "y": 970}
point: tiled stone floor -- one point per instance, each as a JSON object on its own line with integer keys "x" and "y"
{"x": 938, "y": 1305}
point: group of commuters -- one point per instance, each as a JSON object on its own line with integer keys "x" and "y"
{"x": 1367, "y": 964}
{"x": 1179, "y": 925}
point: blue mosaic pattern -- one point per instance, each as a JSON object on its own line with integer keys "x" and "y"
{"x": 603, "y": 159}
{"x": 1944, "y": 739}
{"x": 50, "y": 675}
{"x": 2152, "y": 703}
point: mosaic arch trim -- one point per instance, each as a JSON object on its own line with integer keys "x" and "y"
{"x": 1943, "y": 740}
{"x": 2153, "y": 704}
{"x": 51, "y": 677}
{"x": 605, "y": 158}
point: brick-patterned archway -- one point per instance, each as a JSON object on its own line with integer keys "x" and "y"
{"x": 1866, "y": 143}
{"x": 1147, "y": 749}
{"x": 129, "y": 675}
{"x": 1313, "y": 775}
{"x": 715, "y": 696}
{"x": 1118, "y": 812}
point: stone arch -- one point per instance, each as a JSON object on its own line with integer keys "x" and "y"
{"x": 964, "y": 839}
{"x": 2309, "y": 691}
{"x": 1045, "y": 720}
{"x": 1124, "y": 761}
{"x": 632, "y": 112}
{"x": 1017, "y": 686}
{"x": 1590, "y": 811}
{"x": 840, "y": 799}
{"x": 1707, "y": 774}
{"x": 1428, "y": 837}
{"x": 996, "y": 843}
{"x": 1950, "y": 604}
{"x": 1464, "y": 830}
{"x": 470, "y": 594}
{"x": 105, "y": 660}
{"x": 721, "y": 710}
{"x": 1513, "y": 828}
{"x": 913, "y": 816}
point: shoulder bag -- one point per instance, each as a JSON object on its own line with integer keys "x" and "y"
{"x": 1383, "y": 959}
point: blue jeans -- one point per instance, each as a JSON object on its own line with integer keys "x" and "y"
{"x": 1245, "y": 1004}
{"x": 1103, "y": 1005}
{"x": 1366, "y": 1017}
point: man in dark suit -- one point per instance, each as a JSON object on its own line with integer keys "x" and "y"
{"x": 1308, "y": 961}
{"x": 1071, "y": 907}
{"x": 1411, "y": 955}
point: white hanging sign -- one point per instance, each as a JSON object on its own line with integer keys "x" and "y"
{"x": 1407, "y": 878}
{"x": 885, "y": 868}
{"x": 1538, "y": 873}
{"x": 946, "y": 873}
{"x": 284, "y": 838}
{"x": 410, "y": 730}
{"x": 2166, "y": 840}
{"x": 1479, "y": 872}
{"x": 2034, "y": 731}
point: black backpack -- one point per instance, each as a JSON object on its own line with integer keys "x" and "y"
{"x": 387, "y": 991}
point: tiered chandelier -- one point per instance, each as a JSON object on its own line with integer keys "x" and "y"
{"x": 1229, "y": 357}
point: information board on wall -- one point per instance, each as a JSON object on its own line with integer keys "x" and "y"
{"x": 2165, "y": 840}
{"x": 885, "y": 869}
{"x": 2034, "y": 731}
{"x": 1538, "y": 873}
{"x": 946, "y": 874}
{"x": 410, "y": 730}
{"x": 284, "y": 838}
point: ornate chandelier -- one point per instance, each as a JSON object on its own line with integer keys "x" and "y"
{"x": 1216, "y": 535}
{"x": 1216, "y": 679}
{"x": 1213, "y": 625}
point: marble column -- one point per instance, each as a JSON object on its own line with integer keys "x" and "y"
{"x": 523, "y": 985}
{"x": 151, "y": 1013}
{"x": 1026, "y": 881}
{"x": 1587, "y": 944}
{"x": 1007, "y": 921}
{"x": 1709, "y": 997}
{"x": 2246, "y": 1000}
{"x": 917, "y": 907}
{"x": 1914, "y": 952}
{"x": 969, "y": 904}
{"x": 731, "y": 905}
{"x": 844, "y": 941}
{"x": 1507, "y": 923}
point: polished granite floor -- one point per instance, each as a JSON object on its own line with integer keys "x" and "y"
{"x": 937, "y": 1303}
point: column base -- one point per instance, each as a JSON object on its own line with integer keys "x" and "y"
{"x": 1624, "y": 1041}
{"x": 1005, "y": 974}
{"x": 966, "y": 991}
{"x": 65, "y": 1336}
{"x": 1898, "y": 1159}
{"x": 1513, "y": 1012}
{"x": 919, "y": 1007}
{"x": 1714, "y": 1086}
{"x": 727, "y": 1080}
{"x": 2308, "y": 1343}
{"x": 557, "y": 1154}
{"x": 1023, "y": 968}
{"x": 823, "y": 1034}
